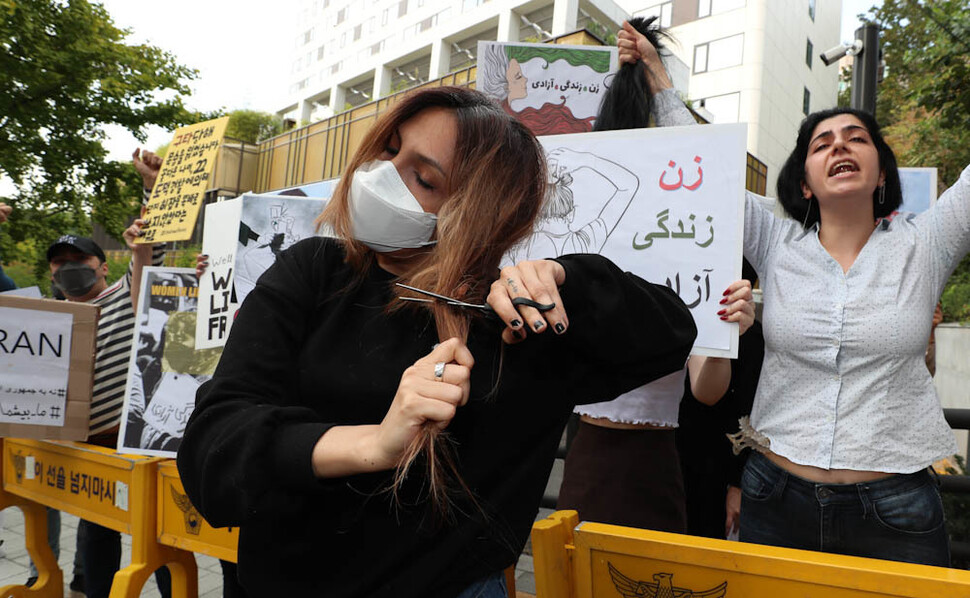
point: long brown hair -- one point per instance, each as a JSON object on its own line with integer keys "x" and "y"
{"x": 497, "y": 182}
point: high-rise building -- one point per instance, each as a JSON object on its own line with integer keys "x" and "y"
{"x": 348, "y": 52}
{"x": 755, "y": 61}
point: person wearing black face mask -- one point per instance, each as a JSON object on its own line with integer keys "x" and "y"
{"x": 79, "y": 271}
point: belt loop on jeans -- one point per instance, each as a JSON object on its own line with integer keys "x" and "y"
{"x": 863, "y": 490}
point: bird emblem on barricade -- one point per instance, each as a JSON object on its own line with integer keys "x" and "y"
{"x": 662, "y": 587}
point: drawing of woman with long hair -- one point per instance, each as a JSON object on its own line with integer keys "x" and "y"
{"x": 502, "y": 79}
{"x": 557, "y": 232}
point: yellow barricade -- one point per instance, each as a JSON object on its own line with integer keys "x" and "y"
{"x": 99, "y": 485}
{"x": 593, "y": 560}
{"x": 181, "y": 526}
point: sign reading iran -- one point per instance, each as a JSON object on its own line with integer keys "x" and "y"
{"x": 35, "y": 351}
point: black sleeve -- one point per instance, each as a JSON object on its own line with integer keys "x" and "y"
{"x": 623, "y": 331}
{"x": 247, "y": 446}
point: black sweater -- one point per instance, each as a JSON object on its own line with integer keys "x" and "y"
{"x": 311, "y": 349}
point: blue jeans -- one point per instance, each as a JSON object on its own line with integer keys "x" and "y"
{"x": 491, "y": 586}
{"x": 899, "y": 518}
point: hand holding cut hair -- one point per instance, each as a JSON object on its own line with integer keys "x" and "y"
{"x": 537, "y": 280}
{"x": 422, "y": 398}
{"x": 738, "y": 305}
{"x": 634, "y": 46}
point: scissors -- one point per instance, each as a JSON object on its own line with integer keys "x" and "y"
{"x": 484, "y": 308}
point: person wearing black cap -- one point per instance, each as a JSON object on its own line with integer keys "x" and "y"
{"x": 80, "y": 271}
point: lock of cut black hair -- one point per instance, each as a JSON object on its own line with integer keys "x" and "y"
{"x": 628, "y": 100}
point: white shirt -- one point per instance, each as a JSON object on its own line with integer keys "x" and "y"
{"x": 656, "y": 403}
{"x": 844, "y": 384}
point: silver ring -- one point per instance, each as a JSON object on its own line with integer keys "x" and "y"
{"x": 439, "y": 371}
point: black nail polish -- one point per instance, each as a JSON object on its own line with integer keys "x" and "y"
{"x": 537, "y": 325}
{"x": 560, "y": 328}
{"x": 515, "y": 323}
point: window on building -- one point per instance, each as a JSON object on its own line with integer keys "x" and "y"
{"x": 384, "y": 16}
{"x": 335, "y": 68}
{"x": 719, "y": 54}
{"x": 806, "y": 101}
{"x": 809, "y": 52}
{"x": 320, "y": 53}
{"x": 811, "y": 9}
{"x": 341, "y": 15}
{"x": 756, "y": 179}
{"x": 663, "y": 11}
{"x": 724, "y": 108}
{"x": 426, "y": 24}
{"x": 343, "y": 39}
{"x": 706, "y": 8}
{"x": 357, "y": 31}
{"x": 308, "y": 36}
{"x": 326, "y": 3}
{"x": 402, "y": 8}
{"x": 376, "y": 48}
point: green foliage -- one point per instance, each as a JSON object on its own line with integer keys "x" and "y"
{"x": 956, "y": 295}
{"x": 253, "y": 126}
{"x": 65, "y": 72}
{"x": 925, "y": 97}
{"x": 956, "y": 506}
{"x": 924, "y": 101}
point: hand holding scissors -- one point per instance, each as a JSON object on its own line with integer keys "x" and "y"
{"x": 526, "y": 296}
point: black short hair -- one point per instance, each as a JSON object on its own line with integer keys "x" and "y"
{"x": 792, "y": 173}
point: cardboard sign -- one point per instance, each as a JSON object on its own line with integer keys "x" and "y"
{"x": 182, "y": 182}
{"x": 165, "y": 368}
{"x": 242, "y": 238}
{"x": 47, "y": 351}
{"x": 552, "y": 89}
{"x": 34, "y": 368}
{"x": 664, "y": 203}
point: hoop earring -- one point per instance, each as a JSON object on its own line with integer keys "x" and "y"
{"x": 807, "y": 212}
{"x": 882, "y": 194}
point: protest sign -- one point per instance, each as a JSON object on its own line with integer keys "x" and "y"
{"x": 552, "y": 89}
{"x": 665, "y": 203}
{"x": 165, "y": 368}
{"x": 242, "y": 238}
{"x": 47, "y": 351}
{"x": 919, "y": 189}
{"x": 182, "y": 182}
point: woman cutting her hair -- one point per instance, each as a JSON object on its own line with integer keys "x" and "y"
{"x": 332, "y": 390}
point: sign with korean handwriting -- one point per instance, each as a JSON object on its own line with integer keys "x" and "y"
{"x": 664, "y": 203}
{"x": 179, "y": 191}
{"x": 35, "y": 350}
{"x": 552, "y": 89}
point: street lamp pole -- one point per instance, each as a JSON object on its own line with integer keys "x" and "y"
{"x": 865, "y": 69}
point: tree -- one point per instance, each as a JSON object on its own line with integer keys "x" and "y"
{"x": 924, "y": 100}
{"x": 65, "y": 72}
{"x": 253, "y": 126}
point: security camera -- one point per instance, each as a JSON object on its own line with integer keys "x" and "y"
{"x": 832, "y": 55}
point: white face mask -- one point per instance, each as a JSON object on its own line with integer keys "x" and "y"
{"x": 384, "y": 214}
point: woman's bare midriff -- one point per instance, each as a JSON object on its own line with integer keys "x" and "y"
{"x": 825, "y": 476}
{"x": 607, "y": 423}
